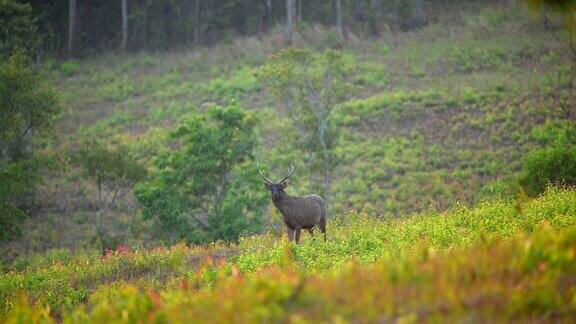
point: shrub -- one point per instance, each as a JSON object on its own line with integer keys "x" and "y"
{"x": 28, "y": 107}
{"x": 70, "y": 67}
{"x": 549, "y": 166}
{"x": 207, "y": 189}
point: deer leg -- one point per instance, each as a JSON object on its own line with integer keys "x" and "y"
{"x": 297, "y": 236}
{"x": 322, "y": 227}
{"x": 311, "y": 231}
{"x": 290, "y": 232}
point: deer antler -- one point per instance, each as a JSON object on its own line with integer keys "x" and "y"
{"x": 288, "y": 174}
{"x": 262, "y": 174}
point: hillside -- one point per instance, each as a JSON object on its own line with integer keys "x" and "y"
{"x": 441, "y": 115}
{"x": 502, "y": 260}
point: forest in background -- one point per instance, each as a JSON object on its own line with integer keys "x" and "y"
{"x": 82, "y": 27}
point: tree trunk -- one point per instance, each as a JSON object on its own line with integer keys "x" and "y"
{"x": 196, "y": 22}
{"x": 545, "y": 15}
{"x": 418, "y": 13}
{"x": 339, "y": 18}
{"x": 267, "y": 22}
{"x": 299, "y": 11}
{"x": 289, "y": 11}
{"x": 124, "y": 24}
{"x": 374, "y": 10}
{"x": 71, "y": 26}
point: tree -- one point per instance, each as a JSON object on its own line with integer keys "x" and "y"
{"x": 289, "y": 20}
{"x": 207, "y": 189}
{"x": 310, "y": 88}
{"x": 71, "y": 26}
{"x": 269, "y": 17}
{"x": 339, "y": 26}
{"x": 27, "y": 104}
{"x": 124, "y": 4}
{"x": 114, "y": 170}
{"x": 18, "y": 30}
{"x": 196, "y": 21}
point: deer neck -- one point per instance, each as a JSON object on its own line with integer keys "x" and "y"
{"x": 282, "y": 202}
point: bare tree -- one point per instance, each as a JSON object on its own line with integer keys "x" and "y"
{"x": 196, "y": 21}
{"x": 289, "y": 22}
{"x": 71, "y": 26}
{"x": 267, "y": 21}
{"x": 124, "y": 24}
{"x": 374, "y": 11}
{"x": 339, "y": 18}
{"x": 299, "y": 11}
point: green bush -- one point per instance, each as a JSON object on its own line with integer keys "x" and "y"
{"x": 207, "y": 189}
{"x": 549, "y": 166}
{"x": 70, "y": 67}
{"x": 28, "y": 107}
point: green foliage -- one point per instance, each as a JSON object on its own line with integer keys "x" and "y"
{"x": 26, "y": 102}
{"x": 556, "y": 165}
{"x": 18, "y": 30}
{"x": 208, "y": 188}
{"x": 238, "y": 85}
{"x": 114, "y": 170}
{"x": 557, "y": 134}
{"x": 108, "y": 166}
{"x": 17, "y": 179}
{"x": 70, "y": 67}
{"x": 27, "y": 105}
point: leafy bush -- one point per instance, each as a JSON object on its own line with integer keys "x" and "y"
{"x": 17, "y": 29}
{"x": 16, "y": 181}
{"x": 114, "y": 170}
{"x": 70, "y": 67}
{"x": 207, "y": 189}
{"x": 559, "y": 133}
{"x": 28, "y": 106}
{"x": 555, "y": 165}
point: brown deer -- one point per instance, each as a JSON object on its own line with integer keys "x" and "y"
{"x": 298, "y": 213}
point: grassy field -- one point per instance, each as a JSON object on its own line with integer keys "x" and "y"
{"x": 501, "y": 260}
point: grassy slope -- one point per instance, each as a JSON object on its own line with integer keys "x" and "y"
{"x": 503, "y": 259}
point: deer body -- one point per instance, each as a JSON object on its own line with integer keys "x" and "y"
{"x": 298, "y": 213}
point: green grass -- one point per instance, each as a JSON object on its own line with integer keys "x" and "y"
{"x": 503, "y": 259}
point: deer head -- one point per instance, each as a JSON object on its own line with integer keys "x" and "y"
{"x": 276, "y": 188}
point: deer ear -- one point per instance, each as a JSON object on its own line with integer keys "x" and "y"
{"x": 267, "y": 185}
{"x": 284, "y": 184}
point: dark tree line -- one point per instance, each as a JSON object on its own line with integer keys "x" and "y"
{"x": 81, "y": 26}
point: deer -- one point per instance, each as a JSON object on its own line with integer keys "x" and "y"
{"x": 298, "y": 213}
